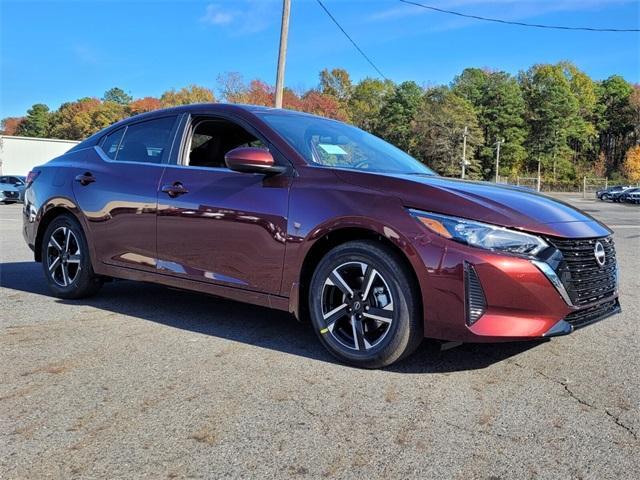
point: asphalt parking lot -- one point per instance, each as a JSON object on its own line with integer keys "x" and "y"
{"x": 147, "y": 382}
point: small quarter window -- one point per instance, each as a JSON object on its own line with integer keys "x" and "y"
{"x": 111, "y": 142}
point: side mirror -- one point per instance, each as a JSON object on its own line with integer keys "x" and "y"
{"x": 252, "y": 160}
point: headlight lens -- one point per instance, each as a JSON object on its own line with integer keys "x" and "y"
{"x": 481, "y": 235}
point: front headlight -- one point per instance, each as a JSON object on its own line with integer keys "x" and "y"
{"x": 481, "y": 235}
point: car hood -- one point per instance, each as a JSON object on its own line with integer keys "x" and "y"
{"x": 507, "y": 206}
{"x": 9, "y": 187}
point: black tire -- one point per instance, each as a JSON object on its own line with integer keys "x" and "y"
{"x": 374, "y": 343}
{"x": 71, "y": 276}
{"x": 604, "y": 197}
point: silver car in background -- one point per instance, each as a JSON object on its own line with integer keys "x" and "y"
{"x": 12, "y": 188}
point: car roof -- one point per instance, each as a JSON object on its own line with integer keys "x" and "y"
{"x": 195, "y": 108}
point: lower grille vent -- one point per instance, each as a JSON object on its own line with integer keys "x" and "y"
{"x": 476, "y": 303}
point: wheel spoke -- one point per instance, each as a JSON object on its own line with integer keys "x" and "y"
{"x": 334, "y": 315}
{"x": 336, "y": 279}
{"x": 65, "y": 275}
{"x": 359, "y": 340}
{"x": 369, "y": 275}
{"x": 54, "y": 264}
{"x": 382, "y": 315}
{"x": 67, "y": 239}
{"x": 74, "y": 258}
{"x": 54, "y": 243}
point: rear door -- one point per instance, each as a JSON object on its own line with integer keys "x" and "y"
{"x": 220, "y": 226}
{"x": 117, "y": 190}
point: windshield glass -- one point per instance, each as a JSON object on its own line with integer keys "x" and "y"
{"x": 334, "y": 144}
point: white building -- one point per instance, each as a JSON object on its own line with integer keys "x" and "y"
{"x": 18, "y": 155}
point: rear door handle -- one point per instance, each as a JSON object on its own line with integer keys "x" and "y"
{"x": 85, "y": 179}
{"x": 174, "y": 190}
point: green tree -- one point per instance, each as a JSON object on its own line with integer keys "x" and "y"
{"x": 616, "y": 124}
{"x": 552, "y": 112}
{"x": 439, "y": 126}
{"x": 117, "y": 95}
{"x": 336, "y": 83}
{"x": 582, "y": 131}
{"x": 497, "y": 100}
{"x": 36, "y": 123}
{"x": 187, "y": 96}
{"x": 366, "y": 102}
{"x": 397, "y": 114}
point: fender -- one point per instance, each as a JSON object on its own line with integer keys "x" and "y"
{"x": 350, "y": 228}
{"x": 40, "y": 220}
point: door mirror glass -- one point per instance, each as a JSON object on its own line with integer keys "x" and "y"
{"x": 251, "y": 160}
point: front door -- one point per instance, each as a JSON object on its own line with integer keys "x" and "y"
{"x": 220, "y": 226}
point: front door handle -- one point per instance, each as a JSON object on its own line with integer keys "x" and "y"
{"x": 174, "y": 190}
{"x": 85, "y": 178}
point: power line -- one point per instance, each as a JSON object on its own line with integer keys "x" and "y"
{"x": 521, "y": 24}
{"x": 351, "y": 40}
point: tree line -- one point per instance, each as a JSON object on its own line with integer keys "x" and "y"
{"x": 551, "y": 116}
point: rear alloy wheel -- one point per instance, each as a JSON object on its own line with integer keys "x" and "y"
{"x": 65, "y": 259}
{"x": 363, "y": 305}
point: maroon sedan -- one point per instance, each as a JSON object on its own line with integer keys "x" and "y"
{"x": 318, "y": 218}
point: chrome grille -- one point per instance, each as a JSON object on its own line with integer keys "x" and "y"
{"x": 585, "y": 280}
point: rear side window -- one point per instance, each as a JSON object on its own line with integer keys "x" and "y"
{"x": 145, "y": 142}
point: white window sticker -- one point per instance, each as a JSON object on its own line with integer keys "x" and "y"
{"x": 332, "y": 149}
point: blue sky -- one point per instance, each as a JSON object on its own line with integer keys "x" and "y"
{"x": 56, "y": 51}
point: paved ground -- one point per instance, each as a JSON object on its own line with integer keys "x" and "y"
{"x": 147, "y": 382}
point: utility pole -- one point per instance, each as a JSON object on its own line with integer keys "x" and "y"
{"x": 464, "y": 151}
{"x": 498, "y": 143}
{"x": 282, "y": 54}
{"x": 539, "y": 170}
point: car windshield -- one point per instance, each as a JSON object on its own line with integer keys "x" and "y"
{"x": 334, "y": 144}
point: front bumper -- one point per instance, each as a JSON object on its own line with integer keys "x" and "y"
{"x": 521, "y": 301}
{"x": 584, "y": 317}
{"x": 10, "y": 196}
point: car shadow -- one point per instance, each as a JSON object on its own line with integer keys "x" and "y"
{"x": 249, "y": 324}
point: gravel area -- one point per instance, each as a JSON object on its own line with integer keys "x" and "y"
{"x": 142, "y": 381}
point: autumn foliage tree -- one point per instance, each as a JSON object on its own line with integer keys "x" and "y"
{"x": 554, "y": 113}
{"x": 11, "y": 125}
{"x": 631, "y": 165}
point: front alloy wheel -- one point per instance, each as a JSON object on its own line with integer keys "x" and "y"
{"x": 357, "y": 306}
{"x": 365, "y": 305}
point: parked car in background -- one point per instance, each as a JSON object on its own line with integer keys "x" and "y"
{"x": 12, "y": 188}
{"x": 319, "y": 218}
{"x": 617, "y": 196}
{"x": 609, "y": 193}
{"x": 631, "y": 195}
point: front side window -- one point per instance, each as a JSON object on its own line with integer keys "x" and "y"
{"x": 145, "y": 142}
{"x": 212, "y": 139}
{"x": 334, "y": 144}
